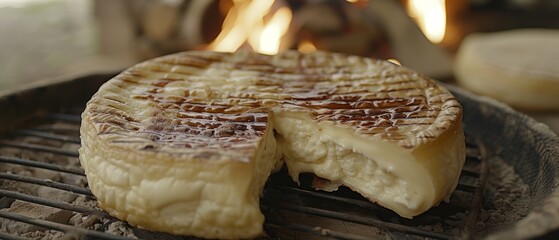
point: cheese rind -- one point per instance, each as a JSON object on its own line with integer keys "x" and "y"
{"x": 196, "y": 197}
{"x": 518, "y": 67}
{"x": 184, "y": 143}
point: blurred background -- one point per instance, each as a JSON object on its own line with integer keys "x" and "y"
{"x": 43, "y": 39}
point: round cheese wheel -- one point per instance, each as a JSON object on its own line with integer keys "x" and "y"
{"x": 518, "y": 67}
{"x": 184, "y": 143}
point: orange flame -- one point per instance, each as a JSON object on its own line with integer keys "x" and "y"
{"x": 430, "y": 15}
{"x": 306, "y": 46}
{"x": 245, "y": 23}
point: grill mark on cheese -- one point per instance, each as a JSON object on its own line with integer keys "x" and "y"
{"x": 228, "y": 96}
{"x": 191, "y": 61}
{"x": 108, "y": 113}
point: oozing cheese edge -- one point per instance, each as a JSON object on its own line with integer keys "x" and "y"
{"x": 381, "y": 171}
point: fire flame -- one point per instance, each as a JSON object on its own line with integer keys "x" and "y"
{"x": 306, "y": 46}
{"x": 272, "y": 33}
{"x": 245, "y": 23}
{"x": 430, "y": 15}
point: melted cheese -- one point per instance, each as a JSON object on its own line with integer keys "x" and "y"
{"x": 381, "y": 171}
{"x": 184, "y": 143}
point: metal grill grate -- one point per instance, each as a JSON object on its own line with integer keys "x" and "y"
{"x": 44, "y": 155}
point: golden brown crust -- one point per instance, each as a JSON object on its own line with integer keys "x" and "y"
{"x": 213, "y": 101}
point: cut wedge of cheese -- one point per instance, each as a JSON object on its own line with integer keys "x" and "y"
{"x": 185, "y": 143}
{"x": 518, "y": 67}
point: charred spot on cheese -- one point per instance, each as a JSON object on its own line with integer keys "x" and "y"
{"x": 184, "y": 143}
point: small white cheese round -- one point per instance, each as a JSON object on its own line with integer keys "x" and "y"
{"x": 518, "y": 67}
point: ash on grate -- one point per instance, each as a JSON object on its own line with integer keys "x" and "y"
{"x": 34, "y": 211}
{"x": 506, "y": 199}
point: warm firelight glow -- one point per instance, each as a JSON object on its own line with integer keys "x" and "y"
{"x": 272, "y": 33}
{"x": 306, "y": 46}
{"x": 430, "y": 15}
{"x": 245, "y": 23}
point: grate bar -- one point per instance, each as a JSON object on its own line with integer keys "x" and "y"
{"x": 46, "y": 182}
{"x": 71, "y": 129}
{"x": 41, "y": 148}
{"x": 49, "y": 166}
{"x": 470, "y": 172}
{"x": 466, "y": 188}
{"x": 75, "y": 118}
{"x": 52, "y": 203}
{"x": 60, "y": 227}
{"x": 329, "y": 196}
{"x": 478, "y": 193}
{"x": 314, "y": 230}
{"x": 50, "y": 136}
{"x": 356, "y": 219}
{"x": 473, "y": 155}
{"x": 6, "y": 236}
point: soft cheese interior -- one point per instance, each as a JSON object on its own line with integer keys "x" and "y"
{"x": 379, "y": 170}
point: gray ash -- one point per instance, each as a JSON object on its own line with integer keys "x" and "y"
{"x": 506, "y": 199}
